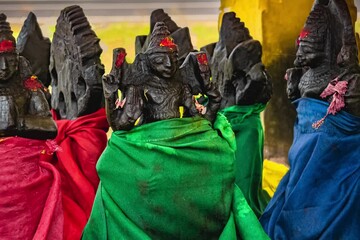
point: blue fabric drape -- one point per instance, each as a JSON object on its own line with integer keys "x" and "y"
{"x": 319, "y": 197}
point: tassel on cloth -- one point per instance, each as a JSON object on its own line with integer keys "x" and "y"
{"x": 337, "y": 89}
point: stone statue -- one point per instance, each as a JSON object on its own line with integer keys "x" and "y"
{"x": 245, "y": 88}
{"x": 326, "y": 64}
{"x": 32, "y": 45}
{"x": 180, "y": 35}
{"x": 236, "y": 65}
{"x": 75, "y": 66}
{"x": 323, "y": 178}
{"x": 24, "y": 109}
{"x": 154, "y": 87}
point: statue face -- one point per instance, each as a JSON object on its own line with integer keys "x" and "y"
{"x": 163, "y": 62}
{"x": 8, "y": 65}
{"x": 307, "y": 55}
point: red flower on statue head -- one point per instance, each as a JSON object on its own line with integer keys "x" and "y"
{"x": 6, "y": 46}
{"x": 33, "y": 84}
{"x": 168, "y": 42}
{"x": 120, "y": 58}
{"x": 303, "y": 34}
{"x": 202, "y": 59}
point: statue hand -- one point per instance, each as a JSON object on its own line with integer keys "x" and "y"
{"x": 293, "y": 76}
{"x": 257, "y": 73}
{"x": 110, "y": 85}
{"x": 254, "y": 87}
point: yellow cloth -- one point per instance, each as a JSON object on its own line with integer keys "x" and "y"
{"x": 272, "y": 174}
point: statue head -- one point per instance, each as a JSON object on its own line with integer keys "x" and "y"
{"x": 180, "y": 35}
{"x": 162, "y": 53}
{"x": 8, "y": 54}
{"x": 315, "y": 45}
{"x": 233, "y": 32}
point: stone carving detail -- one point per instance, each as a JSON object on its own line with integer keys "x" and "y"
{"x": 236, "y": 65}
{"x": 180, "y": 35}
{"x": 24, "y": 109}
{"x": 75, "y": 66}
{"x": 326, "y": 64}
{"x": 36, "y": 48}
{"x": 155, "y": 86}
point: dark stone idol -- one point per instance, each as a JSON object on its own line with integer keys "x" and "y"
{"x": 326, "y": 64}
{"x": 75, "y": 66}
{"x": 154, "y": 87}
{"x": 24, "y": 109}
{"x": 236, "y": 65}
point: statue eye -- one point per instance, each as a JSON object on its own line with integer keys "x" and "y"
{"x": 158, "y": 60}
{"x": 308, "y": 49}
{"x": 11, "y": 61}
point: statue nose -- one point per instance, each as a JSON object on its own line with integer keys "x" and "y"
{"x": 3, "y": 64}
{"x": 167, "y": 62}
{"x": 298, "y": 60}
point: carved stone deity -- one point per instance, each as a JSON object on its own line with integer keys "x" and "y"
{"x": 326, "y": 64}
{"x": 24, "y": 109}
{"x": 75, "y": 66}
{"x": 236, "y": 65}
{"x": 181, "y": 35}
{"x": 155, "y": 86}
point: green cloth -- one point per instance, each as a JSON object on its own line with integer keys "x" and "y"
{"x": 171, "y": 179}
{"x": 246, "y": 124}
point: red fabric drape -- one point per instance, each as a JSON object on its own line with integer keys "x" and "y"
{"x": 30, "y": 199}
{"x": 81, "y": 143}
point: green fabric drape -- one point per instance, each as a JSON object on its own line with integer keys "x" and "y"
{"x": 172, "y": 179}
{"x": 246, "y": 124}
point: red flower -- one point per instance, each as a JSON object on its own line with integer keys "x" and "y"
{"x": 202, "y": 59}
{"x": 6, "y": 46}
{"x": 303, "y": 34}
{"x": 120, "y": 58}
{"x": 33, "y": 84}
{"x": 168, "y": 42}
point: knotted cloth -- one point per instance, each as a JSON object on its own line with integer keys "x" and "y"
{"x": 171, "y": 179}
{"x": 246, "y": 124}
{"x": 319, "y": 197}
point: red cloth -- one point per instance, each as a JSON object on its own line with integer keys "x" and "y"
{"x": 81, "y": 143}
{"x": 30, "y": 200}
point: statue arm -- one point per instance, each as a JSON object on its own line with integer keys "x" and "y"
{"x": 123, "y": 114}
{"x": 110, "y": 88}
{"x": 132, "y": 109}
{"x": 210, "y": 89}
{"x": 255, "y": 88}
{"x": 197, "y": 75}
{"x": 213, "y": 94}
{"x": 293, "y": 76}
{"x": 188, "y": 101}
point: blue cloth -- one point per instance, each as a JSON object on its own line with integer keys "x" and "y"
{"x": 319, "y": 198}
